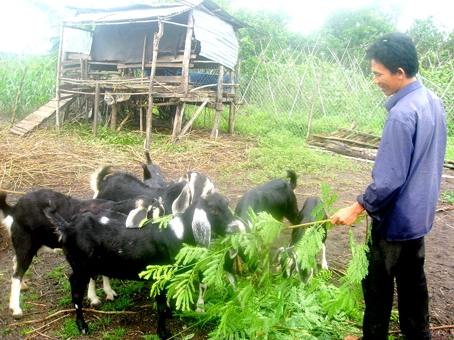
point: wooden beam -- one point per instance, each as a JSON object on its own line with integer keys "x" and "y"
{"x": 189, "y": 123}
{"x": 96, "y": 110}
{"x": 156, "y": 40}
{"x": 187, "y": 54}
{"x": 219, "y": 106}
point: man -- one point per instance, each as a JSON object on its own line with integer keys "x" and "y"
{"x": 403, "y": 195}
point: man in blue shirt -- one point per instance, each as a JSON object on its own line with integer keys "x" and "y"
{"x": 403, "y": 195}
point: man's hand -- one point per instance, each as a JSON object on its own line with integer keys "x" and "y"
{"x": 347, "y": 216}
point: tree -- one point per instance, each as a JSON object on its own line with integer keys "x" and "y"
{"x": 354, "y": 29}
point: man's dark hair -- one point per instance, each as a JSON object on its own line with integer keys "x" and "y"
{"x": 395, "y": 50}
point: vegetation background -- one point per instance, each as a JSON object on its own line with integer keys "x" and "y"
{"x": 291, "y": 86}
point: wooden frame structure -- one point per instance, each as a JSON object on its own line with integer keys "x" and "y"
{"x": 165, "y": 79}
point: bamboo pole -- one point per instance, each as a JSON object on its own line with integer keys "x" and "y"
{"x": 219, "y": 106}
{"x": 57, "y": 84}
{"x": 96, "y": 109}
{"x": 157, "y": 38}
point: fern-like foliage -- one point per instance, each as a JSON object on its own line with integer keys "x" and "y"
{"x": 264, "y": 304}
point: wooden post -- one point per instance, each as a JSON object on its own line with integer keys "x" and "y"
{"x": 187, "y": 54}
{"x": 157, "y": 38}
{"x": 232, "y": 109}
{"x": 219, "y": 106}
{"x": 57, "y": 84}
{"x": 143, "y": 55}
{"x": 113, "y": 119}
{"x": 96, "y": 109}
{"x": 178, "y": 120}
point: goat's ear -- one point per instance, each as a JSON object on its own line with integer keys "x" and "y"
{"x": 201, "y": 228}
{"x": 182, "y": 201}
{"x": 136, "y": 217}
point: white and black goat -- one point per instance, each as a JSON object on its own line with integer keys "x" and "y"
{"x": 176, "y": 197}
{"x": 288, "y": 257}
{"x": 152, "y": 175}
{"x": 30, "y": 230}
{"x": 99, "y": 244}
{"x": 276, "y": 197}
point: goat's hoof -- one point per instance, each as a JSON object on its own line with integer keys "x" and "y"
{"x": 82, "y": 326}
{"x": 111, "y": 295}
{"x": 23, "y": 286}
{"x": 95, "y": 301}
{"x": 17, "y": 313}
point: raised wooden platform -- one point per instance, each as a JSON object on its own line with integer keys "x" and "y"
{"x": 34, "y": 119}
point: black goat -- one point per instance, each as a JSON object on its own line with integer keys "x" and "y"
{"x": 276, "y": 197}
{"x": 99, "y": 244}
{"x": 152, "y": 175}
{"x": 30, "y": 230}
{"x": 119, "y": 185}
{"x": 287, "y": 257}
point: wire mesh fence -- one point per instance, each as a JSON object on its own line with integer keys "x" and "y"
{"x": 306, "y": 92}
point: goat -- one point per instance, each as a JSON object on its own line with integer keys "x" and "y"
{"x": 176, "y": 197}
{"x": 30, "y": 230}
{"x": 98, "y": 244}
{"x": 276, "y": 197}
{"x": 287, "y": 257}
{"x": 152, "y": 175}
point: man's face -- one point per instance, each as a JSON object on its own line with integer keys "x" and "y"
{"x": 389, "y": 83}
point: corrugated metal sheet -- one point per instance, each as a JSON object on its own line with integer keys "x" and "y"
{"x": 128, "y": 16}
{"x": 217, "y": 39}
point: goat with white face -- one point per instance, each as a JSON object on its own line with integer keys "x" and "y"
{"x": 120, "y": 185}
{"x": 30, "y": 230}
{"x": 99, "y": 244}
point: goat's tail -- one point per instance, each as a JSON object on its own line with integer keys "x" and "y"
{"x": 293, "y": 178}
{"x": 97, "y": 177}
{"x": 147, "y": 155}
{"x": 5, "y": 207}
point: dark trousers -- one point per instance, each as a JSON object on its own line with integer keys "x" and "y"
{"x": 403, "y": 261}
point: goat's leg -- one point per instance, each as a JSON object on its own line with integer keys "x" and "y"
{"x": 78, "y": 285}
{"x": 201, "y": 300}
{"x": 94, "y": 299}
{"x": 324, "y": 262}
{"x": 110, "y": 293}
{"x": 162, "y": 331}
{"x": 22, "y": 260}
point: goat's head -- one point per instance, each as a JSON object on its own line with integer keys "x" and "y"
{"x": 197, "y": 185}
{"x": 211, "y": 214}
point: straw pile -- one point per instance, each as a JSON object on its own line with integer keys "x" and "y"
{"x": 47, "y": 159}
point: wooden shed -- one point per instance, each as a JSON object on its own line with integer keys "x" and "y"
{"x": 165, "y": 55}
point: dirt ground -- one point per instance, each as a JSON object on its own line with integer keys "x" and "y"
{"x": 43, "y": 289}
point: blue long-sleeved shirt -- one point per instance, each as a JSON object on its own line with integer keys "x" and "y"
{"x": 408, "y": 166}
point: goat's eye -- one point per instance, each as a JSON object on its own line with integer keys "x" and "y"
{"x": 213, "y": 211}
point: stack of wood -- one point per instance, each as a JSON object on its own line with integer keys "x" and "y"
{"x": 355, "y": 144}
{"x": 348, "y": 142}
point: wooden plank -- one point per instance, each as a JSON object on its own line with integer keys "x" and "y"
{"x": 46, "y": 108}
{"x": 168, "y": 79}
{"x": 43, "y": 113}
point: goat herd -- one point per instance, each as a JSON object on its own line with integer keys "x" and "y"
{"x": 104, "y": 235}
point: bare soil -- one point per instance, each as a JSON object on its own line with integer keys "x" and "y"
{"x": 43, "y": 296}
